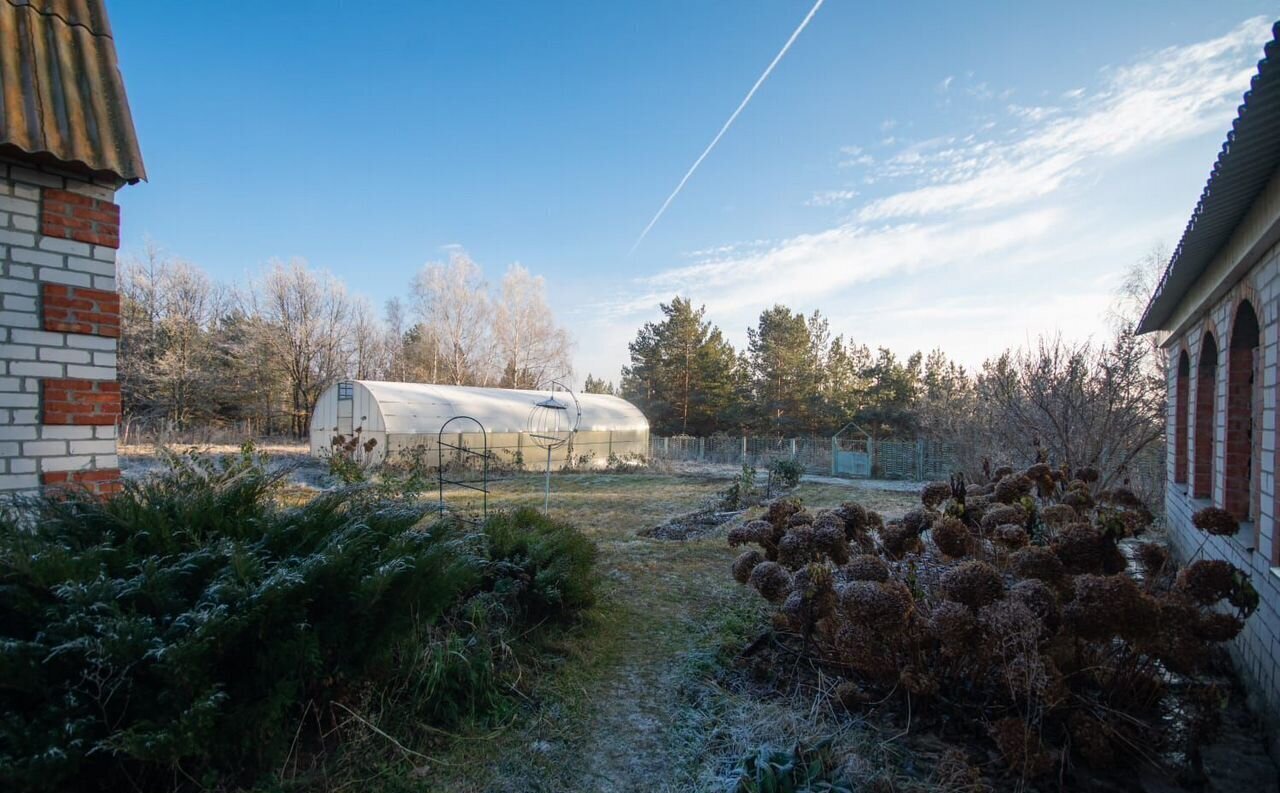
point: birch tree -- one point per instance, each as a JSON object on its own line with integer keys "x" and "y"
{"x": 306, "y": 318}
{"x": 452, "y": 304}
{"x": 530, "y": 347}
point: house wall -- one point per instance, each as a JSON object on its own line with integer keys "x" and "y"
{"x": 1255, "y": 548}
{"x": 59, "y": 326}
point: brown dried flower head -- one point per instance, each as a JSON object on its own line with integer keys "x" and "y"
{"x": 1000, "y": 515}
{"x": 744, "y": 564}
{"x": 972, "y": 583}
{"x": 780, "y": 511}
{"x": 899, "y": 540}
{"x": 797, "y": 547}
{"x": 918, "y": 520}
{"x": 1215, "y": 520}
{"x": 1081, "y": 547}
{"x": 1039, "y": 563}
{"x": 1010, "y": 536}
{"x": 954, "y": 626}
{"x": 829, "y": 539}
{"x": 882, "y": 606}
{"x": 934, "y": 493}
{"x": 771, "y": 580}
{"x": 1058, "y": 515}
{"x": 854, "y": 515}
{"x": 1037, "y": 596}
{"x": 1111, "y": 605}
{"x": 1152, "y": 557}
{"x": 866, "y": 567}
{"x": 952, "y": 537}
{"x": 1207, "y": 581}
{"x": 1012, "y": 488}
{"x": 1214, "y": 626}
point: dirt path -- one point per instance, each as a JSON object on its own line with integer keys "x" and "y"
{"x": 631, "y": 706}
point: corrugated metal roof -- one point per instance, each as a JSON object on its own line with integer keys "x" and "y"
{"x": 61, "y": 95}
{"x": 423, "y": 407}
{"x": 1248, "y": 159}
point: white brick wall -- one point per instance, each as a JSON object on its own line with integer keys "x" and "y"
{"x": 27, "y": 353}
{"x": 1257, "y": 649}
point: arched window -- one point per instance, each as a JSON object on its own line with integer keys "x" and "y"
{"x": 1182, "y": 392}
{"x": 1206, "y": 385}
{"x": 1242, "y": 370}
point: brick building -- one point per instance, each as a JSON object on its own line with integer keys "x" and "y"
{"x": 67, "y": 144}
{"x": 1219, "y": 303}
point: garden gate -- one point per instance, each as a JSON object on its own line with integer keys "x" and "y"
{"x": 851, "y": 452}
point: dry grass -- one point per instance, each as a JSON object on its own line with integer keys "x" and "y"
{"x": 631, "y": 701}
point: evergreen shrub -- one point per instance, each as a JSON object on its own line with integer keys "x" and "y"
{"x": 172, "y": 635}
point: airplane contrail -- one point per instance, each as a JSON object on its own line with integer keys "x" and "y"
{"x": 803, "y": 24}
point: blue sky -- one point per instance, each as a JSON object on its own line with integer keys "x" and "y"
{"x": 927, "y": 174}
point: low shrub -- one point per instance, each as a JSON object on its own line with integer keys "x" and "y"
{"x": 742, "y": 493}
{"x": 540, "y": 567}
{"x": 176, "y": 634}
{"x": 771, "y": 769}
{"x": 785, "y": 473}
{"x": 1019, "y": 616}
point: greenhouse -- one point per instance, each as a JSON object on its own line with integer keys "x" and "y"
{"x": 403, "y": 416}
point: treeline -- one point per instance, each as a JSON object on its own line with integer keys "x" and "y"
{"x": 793, "y": 378}
{"x": 1095, "y": 402}
{"x": 196, "y": 353}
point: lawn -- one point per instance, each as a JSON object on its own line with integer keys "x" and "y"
{"x": 629, "y": 700}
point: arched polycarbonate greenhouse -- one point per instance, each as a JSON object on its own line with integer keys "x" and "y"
{"x": 402, "y": 416}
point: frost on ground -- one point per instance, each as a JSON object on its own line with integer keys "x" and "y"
{"x": 303, "y": 470}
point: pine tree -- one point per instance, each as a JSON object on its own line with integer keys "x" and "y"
{"x": 785, "y": 370}
{"x": 683, "y": 374}
{"x": 597, "y": 385}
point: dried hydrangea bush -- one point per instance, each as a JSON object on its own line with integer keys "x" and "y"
{"x": 1010, "y": 603}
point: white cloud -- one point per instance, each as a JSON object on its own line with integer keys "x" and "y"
{"x": 827, "y": 198}
{"x": 991, "y": 236}
{"x": 810, "y": 265}
{"x": 1176, "y": 93}
{"x": 946, "y": 83}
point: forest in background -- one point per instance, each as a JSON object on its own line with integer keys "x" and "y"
{"x": 197, "y": 354}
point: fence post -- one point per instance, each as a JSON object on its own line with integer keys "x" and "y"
{"x": 793, "y": 448}
{"x": 702, "y": 448}
{"x": 743, "y": 456}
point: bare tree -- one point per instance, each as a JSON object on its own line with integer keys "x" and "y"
{"x": 169, "y": 308}
{"x": 452, "y": 304}
{"x": 1132, "y": 296}
{"x": 370, "y": 351}
{"x": 1074, "y": 404}
{"x": 306, "y": 317}
{"x": 190, "y": 305}
{"x": 531, "y": 348}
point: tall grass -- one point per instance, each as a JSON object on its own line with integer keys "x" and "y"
{"x": 174, "y": 636}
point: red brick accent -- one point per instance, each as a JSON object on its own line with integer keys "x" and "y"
{"x": 1239, "y": 441}
{"x": 1206, "y": 385}
{"x": 99, "y": 482}
{"x": 80, "y": 402}
{"x": 72, "y": 309}
{"x": 72, "y": 216}
{"x": 1182, "y": 393}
